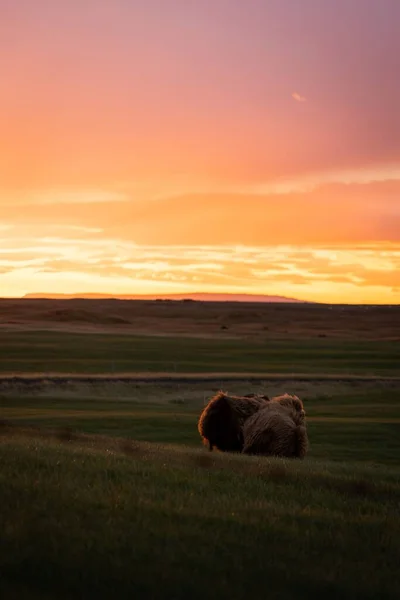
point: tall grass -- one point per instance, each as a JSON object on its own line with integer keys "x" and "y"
{"x": 91, "y": 517}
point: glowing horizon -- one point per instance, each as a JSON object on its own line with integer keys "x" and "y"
{"x": 184, "y": 147}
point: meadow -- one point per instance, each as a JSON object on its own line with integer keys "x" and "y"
{"x": 105, "y": 488}
{"x": 112, "y": 353}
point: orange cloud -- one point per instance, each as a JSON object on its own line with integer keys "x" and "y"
{"x": 329, "y": 214}
{"x": 101, "y": 264}
{"x": 338, "y": 241}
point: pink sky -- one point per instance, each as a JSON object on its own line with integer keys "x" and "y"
{"x": 198, "y": 145}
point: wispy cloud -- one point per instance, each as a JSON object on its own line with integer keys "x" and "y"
{"x": 329, "y": 214}
{"x": 62, "y": 201}
{"x": 60, "y": 196}
{"x": 108, "y": 265}
{"x": 299, "y": 97}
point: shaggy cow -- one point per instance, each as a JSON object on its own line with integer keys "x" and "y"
{"x": 277, "y": 429}
{"x": 293, "y": 404}
{"x": 221, "y": 422}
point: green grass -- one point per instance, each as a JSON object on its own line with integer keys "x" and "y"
{"x": 360, "y": 424}
{"x": 99, "y": 353}
{"x": 112, "y": 495}
{"x": 85, "y": 519}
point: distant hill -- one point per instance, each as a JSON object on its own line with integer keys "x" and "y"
{"x": 203, "y": 297}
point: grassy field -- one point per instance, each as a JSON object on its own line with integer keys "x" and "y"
{"x": 358, "y": 421}
{"x": 56, "y": 352}
{"x": 101, "y": 518}
{"x": 105, "y": 489}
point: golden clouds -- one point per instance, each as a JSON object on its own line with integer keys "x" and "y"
{"x": 335, "y": 242}
{"x": 100, "y": 264}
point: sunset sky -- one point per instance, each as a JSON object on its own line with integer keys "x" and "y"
{"x": 165, "y": 146}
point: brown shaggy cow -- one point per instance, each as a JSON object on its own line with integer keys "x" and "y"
{"x": 294, "y": 404}
{"x": 277, "y": 429}
{"x": 221, "y": 422}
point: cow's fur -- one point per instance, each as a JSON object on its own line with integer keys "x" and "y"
{"x": 221, "y": 422}
{"x": 293, "y": 404}
{"x": 278, "y": 429}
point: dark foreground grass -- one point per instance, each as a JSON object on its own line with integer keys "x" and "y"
{"x": 56, "y": 352}
{"x": 104, "y": 518}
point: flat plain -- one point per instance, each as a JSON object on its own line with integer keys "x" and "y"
{"x": 106, "y": 490}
